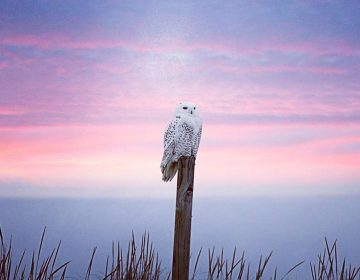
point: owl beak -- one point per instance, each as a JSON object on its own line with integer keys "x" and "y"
{"x": 191, "y": 112}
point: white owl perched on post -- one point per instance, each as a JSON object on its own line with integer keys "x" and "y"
{"x": 182, "y": 138}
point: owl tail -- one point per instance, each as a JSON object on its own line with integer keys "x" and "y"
{"x": 169, "y": 171}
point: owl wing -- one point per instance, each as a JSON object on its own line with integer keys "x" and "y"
{"x": 169, "y": 136}
{"x": 197, "y": 141}
{"x": 168, "y": 165}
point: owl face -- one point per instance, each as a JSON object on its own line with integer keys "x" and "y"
{"x": 187, "y": 108}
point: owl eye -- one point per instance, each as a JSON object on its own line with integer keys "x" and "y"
{"x": 194, "y": 108}
{"x": 185, "y": 108}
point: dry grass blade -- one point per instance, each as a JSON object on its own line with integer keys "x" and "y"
{"x": 292, "y": 269}
{"x": 211, "y": 270}
{"x": 56, "y": 255}
{"x": 39, "y": 250}
{"x": 58, "y": 269}
{"x": 242, "y": 266}
{"x": 88, "y": 272}
{"x": 262, "y": 266}
{"x": 275, "y": 274}
{"x": 330, "y": 258}
{"x": 17, "y": 268}
{"x": 63, "y": 274}
{"x": 196, "y": 264}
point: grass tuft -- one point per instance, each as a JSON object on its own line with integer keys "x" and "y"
{"x": 39, "y": 268}
{"x": 329, "y": 268}
{"x": 141, "y": 262}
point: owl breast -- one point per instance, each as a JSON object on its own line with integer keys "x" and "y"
{"x": 185, "y": 144}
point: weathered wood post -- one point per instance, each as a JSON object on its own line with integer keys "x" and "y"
{"x": 184, "y": 197}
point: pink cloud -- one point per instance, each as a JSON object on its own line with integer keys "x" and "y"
{"x": 240, "y": 70}
{"x": 69, "y": 154}
{"x": 11, "y": 111}
{"x": 231, "y": 155}
{"x": 55, "y": 90}
{"x": 57, "y": 41}
{"x": 293, "y": 156}
{"x": 4, "y": 64}
{"x": 54, "y": 41}
{"x": 30, "y": 142}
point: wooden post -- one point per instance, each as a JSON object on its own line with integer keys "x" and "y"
{"x": 184, "y": 197}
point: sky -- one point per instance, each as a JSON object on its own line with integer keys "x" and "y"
{"x": 87, "y": 89}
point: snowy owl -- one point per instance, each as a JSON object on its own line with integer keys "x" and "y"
{"x": 182, "y": 138}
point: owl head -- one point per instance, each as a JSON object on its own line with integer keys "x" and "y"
{"x": 187, "y": 109}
